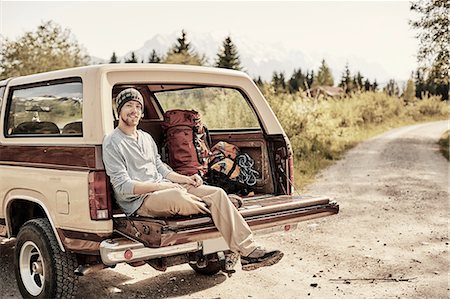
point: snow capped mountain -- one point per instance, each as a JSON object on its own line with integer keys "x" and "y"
{"x": 261, "y": 58}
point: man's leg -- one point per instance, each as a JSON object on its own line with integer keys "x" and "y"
{"x": 234, "y": 229}
{"x": 226, "y": 217}
{"x": 170, "y": 202}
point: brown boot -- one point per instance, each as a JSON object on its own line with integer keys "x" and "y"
{"x": 260, "y": 257}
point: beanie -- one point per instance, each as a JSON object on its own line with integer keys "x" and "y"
{"x": 126, "y": 95}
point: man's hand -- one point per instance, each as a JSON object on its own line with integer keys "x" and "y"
{"x": 196, "y": 180}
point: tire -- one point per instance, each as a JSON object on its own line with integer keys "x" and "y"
{"x": 213, "y": 267}
{"x": 42, "y": 269}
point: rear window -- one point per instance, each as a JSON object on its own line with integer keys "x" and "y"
{"x": 48, "y": 108}
{"x": 220, "y": 107}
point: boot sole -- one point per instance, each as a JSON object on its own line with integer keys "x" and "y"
{"x": 269, "y": 262}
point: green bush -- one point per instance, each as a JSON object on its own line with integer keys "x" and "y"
{"x": 431, "y": 106}
{"x": 426, "y": 108}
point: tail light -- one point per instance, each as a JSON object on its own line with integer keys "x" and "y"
{"x": 290, "y": 182}
{"x": 99, "y": 198}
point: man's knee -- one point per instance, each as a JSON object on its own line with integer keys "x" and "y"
{"x": 180, "y": 202}
{"x": 219, "y": 196}
{"x": 217, "y": 190}
{"x": 174, "y": 196}
{"x": 221, "y": 192}
{"x": 175, "y": 193}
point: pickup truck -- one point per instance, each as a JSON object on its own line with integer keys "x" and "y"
{"x": 56, "y": 199}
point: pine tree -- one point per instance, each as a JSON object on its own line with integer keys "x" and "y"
{"x": 181, "y": 53}
{"x": 113, "y": 58}
{"x": 275, "y": 80}
{"x": 49, "y": 47}
{"x": 259, "y": 82}
{"x": 324, "y": 76}
{"x": 154, "y": 57}
{"x": 309, "y": 79}
{"x": 298, "y": 81}
{"x": 279, "y": 82}
{"x": 358, "y": 81}
{"x": 367, "y": 85}
{"x": 132, "y": 59}
{"x": 346, "y": 80}
{"x": 282, "y": 82}
{"x": 295, "y": 81}
{"x": 391, "y": 88}
{"x": 228, "y": 56}
{"x": 420, "y": 84}
{"x": 433, "y": 32}
{"x": 375, "y": 85}
{"x": 183, "y": 46}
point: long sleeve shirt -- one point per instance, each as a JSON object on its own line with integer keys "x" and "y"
{"x": 128, "y": 160}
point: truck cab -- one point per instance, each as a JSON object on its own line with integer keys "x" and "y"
{"x": 56, "y": 199}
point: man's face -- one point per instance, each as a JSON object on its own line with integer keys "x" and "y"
{"x": 131, "y": 113}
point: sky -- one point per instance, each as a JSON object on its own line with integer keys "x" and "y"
{"x": 376, "y": 31}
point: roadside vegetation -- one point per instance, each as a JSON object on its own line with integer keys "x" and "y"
{"x": 444, "y": 144}
{"x": 321, "y": 130}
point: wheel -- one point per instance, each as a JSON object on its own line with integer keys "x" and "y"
{"x": 42, "y": 269}
{"x": 211, "y": 268}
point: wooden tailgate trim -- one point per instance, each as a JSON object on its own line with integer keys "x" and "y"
{"x": 57, "y": 157}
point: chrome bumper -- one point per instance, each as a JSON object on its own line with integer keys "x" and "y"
{"x": 120, "y": 250}
{"x": 114, "y": 251}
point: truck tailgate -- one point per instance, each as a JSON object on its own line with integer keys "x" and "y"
{"x": 260, "y": 213}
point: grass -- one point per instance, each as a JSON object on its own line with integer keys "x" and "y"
{"x": 444, "y": 144}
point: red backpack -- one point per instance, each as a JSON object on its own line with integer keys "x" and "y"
{"x": 186, "y": 144}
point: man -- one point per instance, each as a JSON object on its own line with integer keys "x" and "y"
{"x": 145, "y": 186}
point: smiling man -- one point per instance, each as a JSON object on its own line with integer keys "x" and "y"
{"x": 145, "y": 186}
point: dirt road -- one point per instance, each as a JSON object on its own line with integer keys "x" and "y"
{"x": 390, "y": 239}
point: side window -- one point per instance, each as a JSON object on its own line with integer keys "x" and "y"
{"x": 51, "y": 108}
{"x": 220, "y": 108}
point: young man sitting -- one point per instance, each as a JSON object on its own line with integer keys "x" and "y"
{"x": 145, "y": 186}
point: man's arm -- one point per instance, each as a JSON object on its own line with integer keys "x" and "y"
{"x": 147, "y": 187}
{"x": 174, "y": 178}
{"x": 116, "y": 170}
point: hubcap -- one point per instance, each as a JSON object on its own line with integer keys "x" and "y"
{"x": 32, "y": 268}
{"x": 37, "y": 268}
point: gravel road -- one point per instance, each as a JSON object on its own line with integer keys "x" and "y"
{"x": 390, "y": 239}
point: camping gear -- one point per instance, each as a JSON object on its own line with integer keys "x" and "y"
{"x": 186, "y": 144}
{"x": 231, "y": 170}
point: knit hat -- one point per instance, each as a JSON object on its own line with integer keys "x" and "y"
{"x": 126, "y": 95}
